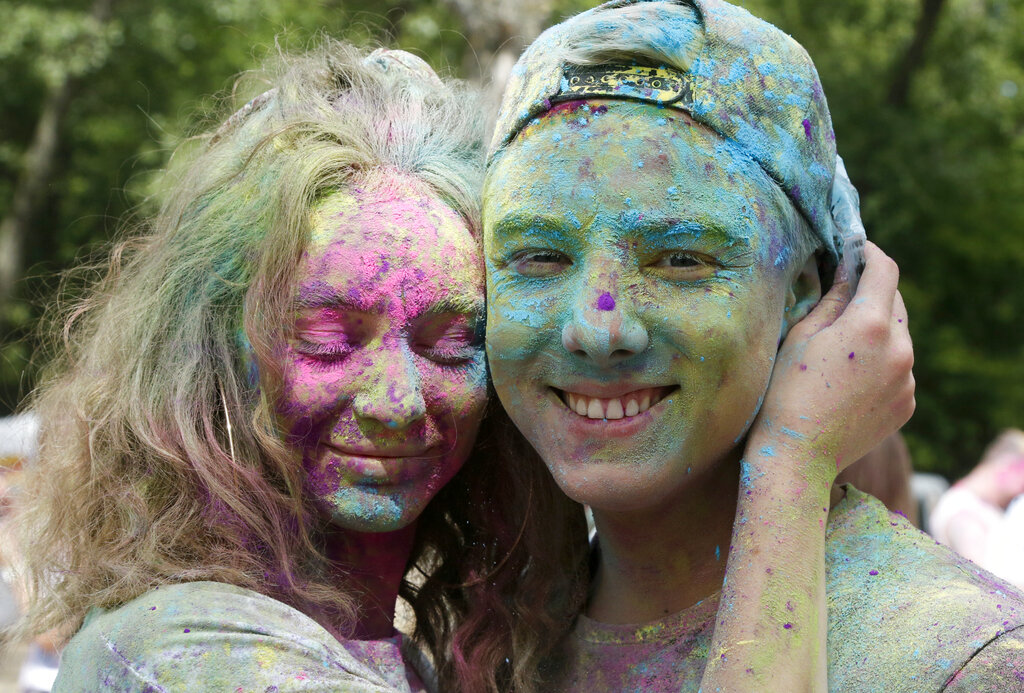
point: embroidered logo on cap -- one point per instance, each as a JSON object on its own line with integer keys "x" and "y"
{"x": 655, "y": 84}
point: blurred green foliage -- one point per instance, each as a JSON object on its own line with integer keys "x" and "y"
{"x": 934, "y": 141}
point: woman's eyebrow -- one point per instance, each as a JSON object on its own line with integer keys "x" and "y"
{"x": 324, "y": 296}
{"x": 465, "y": 305}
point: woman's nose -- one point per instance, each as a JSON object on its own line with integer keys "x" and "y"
{"x": 392, "y": 394}
{"x": 602, "y": 330}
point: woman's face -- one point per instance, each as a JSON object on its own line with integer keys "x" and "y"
{"x": 638, "y": 275}
{"x": 385, "y": 380}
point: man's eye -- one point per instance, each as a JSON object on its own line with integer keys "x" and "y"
{"x": 686, "y": 265}
{"x": 540, "y": 263}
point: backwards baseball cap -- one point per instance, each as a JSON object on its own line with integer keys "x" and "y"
{"x": 743, "y": 78}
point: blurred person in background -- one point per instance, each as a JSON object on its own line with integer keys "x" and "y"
{"x": 982, "y": 516}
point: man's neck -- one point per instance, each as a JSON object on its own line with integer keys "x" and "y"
{"x": 660, "y": 560}
{"x": 371, "y": 565}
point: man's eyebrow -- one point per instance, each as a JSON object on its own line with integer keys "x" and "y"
{"x": 670, "y": 228}
{"x": 518, "y": 223}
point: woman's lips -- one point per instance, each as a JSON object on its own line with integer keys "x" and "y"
{"x": 623, "y": 406}
{"x": 382, "y": 468}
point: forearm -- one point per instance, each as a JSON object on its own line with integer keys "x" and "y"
{"x": 770, "y": 632}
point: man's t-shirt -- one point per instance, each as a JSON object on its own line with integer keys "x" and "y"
{"x": 210, "y": 636}
{"x": 905, "y": 615}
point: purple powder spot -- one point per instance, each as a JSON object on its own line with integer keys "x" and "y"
{"x": 187, "y": 630}
{"x": 807, "y": 129}
{"x": 872, "y": 572}
{"x": 803, "y": 366}
{"x": 850, "y": 356}
{"x": 606, "y": 302}
{"x": 899, "y": 319}
{"x": 600, "y": 109}
{"x": 788, "y": 626}
{"x": 152, "y": 608}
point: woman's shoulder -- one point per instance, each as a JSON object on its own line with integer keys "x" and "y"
{"x": 213, "y": 636}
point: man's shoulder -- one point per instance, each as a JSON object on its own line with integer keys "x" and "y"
{"x": 905, "y": 612}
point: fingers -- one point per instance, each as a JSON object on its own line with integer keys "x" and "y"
{"x": 829, "y": 308}
{"x": 880, "y": 278}
{"x": 899, "y": 309}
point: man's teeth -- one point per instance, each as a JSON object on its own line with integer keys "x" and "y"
{"x": 615, "y": 407}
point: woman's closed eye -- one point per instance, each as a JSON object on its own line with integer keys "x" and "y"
{"x": 323, "y": 352}
{"x": 448, "y": 339}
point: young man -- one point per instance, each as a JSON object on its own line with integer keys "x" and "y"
{"x": 657, "y": 220}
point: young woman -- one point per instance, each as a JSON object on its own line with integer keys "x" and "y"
{"x": 263, "y": 415}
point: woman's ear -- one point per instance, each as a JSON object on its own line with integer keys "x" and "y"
{"x": 803, "y": 294}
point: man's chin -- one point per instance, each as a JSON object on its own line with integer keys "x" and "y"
{"x": 614, "y": 486}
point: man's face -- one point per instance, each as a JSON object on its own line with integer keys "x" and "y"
{"x": 638, "y": 274}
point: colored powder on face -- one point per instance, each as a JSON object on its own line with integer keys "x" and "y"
{"x": 606, "y": 302}
{"x": 850, "y": 356}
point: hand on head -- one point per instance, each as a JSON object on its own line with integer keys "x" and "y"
{"x": 842, "y": 380}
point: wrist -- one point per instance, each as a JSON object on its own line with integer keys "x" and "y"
{"x": 789, "y": 459}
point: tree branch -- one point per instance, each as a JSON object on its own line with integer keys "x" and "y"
{"x": 899, "y": 90}
{"x": 37, "y": 170}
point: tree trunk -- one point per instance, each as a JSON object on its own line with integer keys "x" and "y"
{"x": 899, "y": 90}
{"x": 36, "y": 173}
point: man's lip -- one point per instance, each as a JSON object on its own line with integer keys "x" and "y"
{"x": 609, "y": 390}
{"x": 629, "y": 405}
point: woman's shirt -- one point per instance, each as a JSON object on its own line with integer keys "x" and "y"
{"x": 210, "y": 636}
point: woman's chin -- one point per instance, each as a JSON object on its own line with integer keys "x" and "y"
{"x": 360, "y": 510}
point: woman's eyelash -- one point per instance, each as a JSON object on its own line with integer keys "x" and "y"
{"x": 323, "y": 352}
{"x": 451, "y": 356}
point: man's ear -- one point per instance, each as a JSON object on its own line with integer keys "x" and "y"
{"x": 803, "y": 294}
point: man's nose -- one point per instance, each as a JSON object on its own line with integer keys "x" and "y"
{"x": 603, "y": 328}
{"x": 392, "y": 392}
